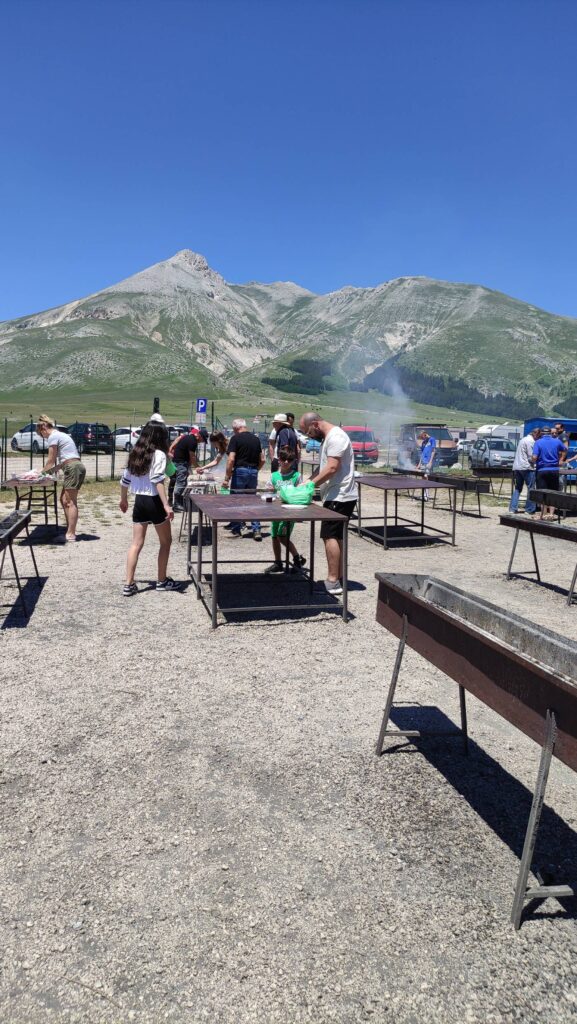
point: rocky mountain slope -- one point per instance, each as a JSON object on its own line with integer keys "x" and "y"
{"x": 179, "y": 319}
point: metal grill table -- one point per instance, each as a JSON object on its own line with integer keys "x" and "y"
{"x": 35, "y": 496}
{"x": 466, "y": 484}
{"x": 388, "y": 484}
{"x": 10, "y": 527}
{"x": 219, "y": 509}
{"x": 525, "y": 673}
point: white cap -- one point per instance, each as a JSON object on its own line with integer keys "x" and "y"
{"x": 156, "y": 418}
{"x": 280, "y": 417}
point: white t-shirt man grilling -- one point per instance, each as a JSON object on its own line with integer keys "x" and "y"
{"x": 336, "y": 479}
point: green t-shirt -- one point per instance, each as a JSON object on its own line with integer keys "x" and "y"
{"x": 277, "y": 479}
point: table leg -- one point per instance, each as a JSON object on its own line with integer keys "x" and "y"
{"x": 45, "y": 504}
{"x": 214, "y": 573}
{"x": 345, "y": 571}
{"x": 55, "y": 497}
{"x": 422, "y": 512}
{"x": 199, "y": 529}
{"x": 22, "y": 601}
{"x": 312, "y": 558}
{"x": 454, "y": 517}
{"x": 359, "y": 511}
{"x": 385, "y": 516}
{"x": 572, "y": 587}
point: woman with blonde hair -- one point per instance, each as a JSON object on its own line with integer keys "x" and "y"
{"x": 63, "y": 454}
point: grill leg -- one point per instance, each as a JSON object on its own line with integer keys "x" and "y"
{"x": 463, "y": 706}
{"x": 521, "y": 891}
{"x": 31, "y": 546}
{"x": 393, "y": 686}
{"x": 572, "y": 587}
{"x": 199, "y": 529}
{"x": 515, "y": 539}
{"x": 535, "y": 556}
{"x": 22, "y": 601}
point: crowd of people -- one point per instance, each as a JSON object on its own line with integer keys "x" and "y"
{"x": 538, "y": 459}
{"x": 238, "y": 462}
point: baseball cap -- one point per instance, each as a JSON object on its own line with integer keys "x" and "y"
{"x": 280, "y": 417}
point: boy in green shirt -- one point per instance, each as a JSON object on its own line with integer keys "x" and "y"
{"x": 281, "y": 531}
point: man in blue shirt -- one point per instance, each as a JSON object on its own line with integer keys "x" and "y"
{"x": 427, "y": 458}
{"x": 548, "y": 454}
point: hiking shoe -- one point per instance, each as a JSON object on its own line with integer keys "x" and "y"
{"x": 167, "y": 584}
{"x": 178, "y": 508}
{"x": 299, "y": 561}
{"x": 130, "y": 589}
{"x": 256, "y": 535}
{"x": 333, "y": 587}
{"x": 275, "y": 567}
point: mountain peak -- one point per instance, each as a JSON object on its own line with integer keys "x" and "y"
{"x": 192, "y": 259}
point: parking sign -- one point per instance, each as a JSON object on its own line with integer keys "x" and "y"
{"x": 201, "y": 404}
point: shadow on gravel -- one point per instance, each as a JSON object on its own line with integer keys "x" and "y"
{"x": 402, "y": 537}
{"x": 259, "y": 593}
{"x": 54, "y": 536}
{"x": 32, "y": 589}
{"x": 553, "y": 587}
{"x": 497, "y": 797}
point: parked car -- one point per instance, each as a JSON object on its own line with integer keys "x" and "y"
{"x": 313, "y": 446}
{"x": 492, "y": 453}
{"x": 26, "y": 438}
{"x": 125, "y": 438}
{"x": 92, "y": 437}
{"x": 365, "y": 447}
{"x": 464, "y": 446}
{"x": 446, "y": 453}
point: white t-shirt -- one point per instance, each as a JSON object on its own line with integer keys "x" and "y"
{"x": 342, "y": 486}
{"x": 523, "y": 454}
{"x": 146, "y": 484}
{"x": 65, "y": 447}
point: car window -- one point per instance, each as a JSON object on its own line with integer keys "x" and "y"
{"x": 501, "y": 446}
{"x": 360, "y": 435}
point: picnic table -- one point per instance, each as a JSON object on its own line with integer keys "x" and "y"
{"x": 466, "y": 484}
{"x": 558, "y": 500}
{"x": 394, "y": 484}
{"x": 222, "y": 508}
{"x": 10, "y": 527}
{"x": 36, "y": 496}
{"x": 492, "y": 473}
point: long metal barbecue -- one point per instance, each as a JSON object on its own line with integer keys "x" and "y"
{"x": 524, "y": 672}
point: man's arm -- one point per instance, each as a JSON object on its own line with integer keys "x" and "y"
{"x": 332, "y": 467}
{"x": 193, "y": 457}
{"x": 229, "y": 469}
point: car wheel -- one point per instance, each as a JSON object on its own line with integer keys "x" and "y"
{"x": 35, "y": 447}
{"x": 127, "y": 446}
{"x": 485, "y": 463}
{"x": 14, "y": 445}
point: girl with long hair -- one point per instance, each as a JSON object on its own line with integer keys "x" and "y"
{"x": 218, "y": 441}
{"x": 144, "y": 477}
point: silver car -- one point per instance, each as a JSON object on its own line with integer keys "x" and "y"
{"x": 492, "y": 453}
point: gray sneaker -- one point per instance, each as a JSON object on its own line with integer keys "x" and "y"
{"x": 333, "y": 587}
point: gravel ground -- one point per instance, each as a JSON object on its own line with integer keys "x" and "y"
{"x": 195, "y": 826}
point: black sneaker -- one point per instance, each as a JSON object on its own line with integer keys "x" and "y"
{"x": 256, "y": 535}
{"x": 178, "y": 508}
{"x": 130, "y": 589}
{"x": 299, "y": 561}
{"x": 229, "y": 526}
{"x": 167, "y": 584}
{"x": 275, "y": 567}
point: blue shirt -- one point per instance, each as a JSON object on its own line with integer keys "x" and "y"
{"x": 548, "y": 449}
{"x": 427, "y": 451}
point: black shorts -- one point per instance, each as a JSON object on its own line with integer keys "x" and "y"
{"x": 548, "y": 480}
{"x": 148, "y": 508}
{"x": 333, "y": 529}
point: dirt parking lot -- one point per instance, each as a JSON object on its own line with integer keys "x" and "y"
{"x": 195, "y": 826}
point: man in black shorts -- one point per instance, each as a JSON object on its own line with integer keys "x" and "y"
{"x": 184, "y": 458}
{"x": 338, "y": 485}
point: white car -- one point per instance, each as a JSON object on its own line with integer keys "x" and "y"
{"x": 125, "y": 438}
{"x": 27, "y": 438}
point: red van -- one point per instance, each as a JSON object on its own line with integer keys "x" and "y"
{"x": 365, "y": 447}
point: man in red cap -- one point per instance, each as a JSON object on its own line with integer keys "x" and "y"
{"x": 183, "y": 454}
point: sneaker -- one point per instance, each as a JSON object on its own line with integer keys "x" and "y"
{"x": 234, "y": 534}
{"x": 229, "y": 526}
{"x": 178, "y": 508}
{"x": 246, "y": 531}
{"x": 167, "y": 584}
{"x": 333, "y": 587}
{"x": 275, "y": 567}
{"x": 130, "y": 589}
{"x": 299, "y": 561}
{"x": 256, "y": 535}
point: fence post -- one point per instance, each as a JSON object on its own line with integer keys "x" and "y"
{"x": 96, "y": 476}
{"x": 5, "y": 449}
{"x": 113, "y": 453}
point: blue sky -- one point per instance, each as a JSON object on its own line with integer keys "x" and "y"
{"x": 324, "y": 142}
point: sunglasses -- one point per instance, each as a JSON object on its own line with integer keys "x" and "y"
{"x": 284, "y": 458}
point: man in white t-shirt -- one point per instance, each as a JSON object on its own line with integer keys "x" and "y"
{"x": 336, "y": 479}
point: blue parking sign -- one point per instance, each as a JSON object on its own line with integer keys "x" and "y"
{"x": 201, "y": 404}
